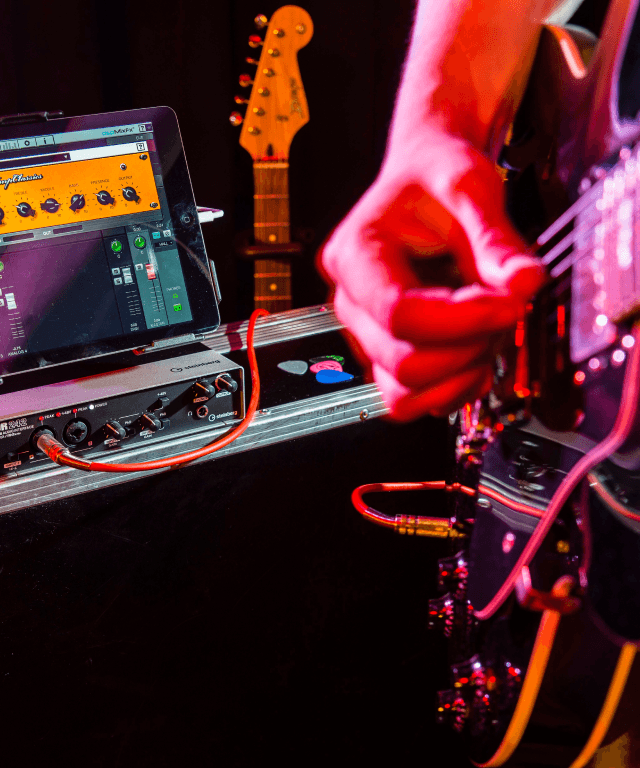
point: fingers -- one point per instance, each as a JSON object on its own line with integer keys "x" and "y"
{"x": 372, "y": 272}
{"x": 440, "y": 316}
{"x": 411, "y": 366}
{"x": 405, "y": 404}
{"x": 430, "y": 346}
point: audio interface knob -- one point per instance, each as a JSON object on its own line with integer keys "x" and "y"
{"x": 50, "y": 205}
{"x": 130, "y": 194}
{"x": 203, "y": 391}
{"x": 77, "y": 202}
{"x": 24, "y": 210}
{"x": 151, "y": 422}
{"x": 225, "y": 383}
{"x": 104, "y": 198}
{"x": 115, "y": 429}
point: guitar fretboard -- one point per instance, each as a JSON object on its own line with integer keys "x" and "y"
{"x": 272, "y": 277}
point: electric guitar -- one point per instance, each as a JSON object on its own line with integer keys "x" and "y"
{"x": 543, "y": 605}
{"x": 276, "y": 110}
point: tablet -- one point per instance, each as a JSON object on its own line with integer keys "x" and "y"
{"x": 100, "y": 246}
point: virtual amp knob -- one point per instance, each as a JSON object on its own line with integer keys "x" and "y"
{"x": 50, "y": 205}
{"x": 130, "y": 194}
{"x": 104, "y": 198}
{"x": 24, "y": 210}
{"x": 77, "y": 202}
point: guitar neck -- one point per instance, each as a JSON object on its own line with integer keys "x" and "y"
{"x": 272, "y": 277}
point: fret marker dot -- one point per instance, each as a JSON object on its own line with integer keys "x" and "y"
{"x": 272, "y": 238}
{"x": 273, "y": 287}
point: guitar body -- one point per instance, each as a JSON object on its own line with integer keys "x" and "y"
{"x": 557, "y": 396}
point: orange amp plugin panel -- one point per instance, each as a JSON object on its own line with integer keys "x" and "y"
{"x": 77, "y": 186}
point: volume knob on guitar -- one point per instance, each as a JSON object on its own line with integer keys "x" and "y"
{"x": 77, "y": 202}
{"x": 50, "y": 205}
{"x": 24, "y": 210}
{"x": 130, "y": 195}
{"x": 104, "y": 198}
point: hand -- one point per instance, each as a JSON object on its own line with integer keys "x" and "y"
{"x": 430, "y": 347}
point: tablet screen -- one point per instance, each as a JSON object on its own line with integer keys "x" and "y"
{"x": 100, "y": 246}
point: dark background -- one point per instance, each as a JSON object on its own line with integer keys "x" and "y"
{"x": 236, "y": 612}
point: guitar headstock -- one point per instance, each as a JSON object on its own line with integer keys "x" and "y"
{"x": 277, "y": 107}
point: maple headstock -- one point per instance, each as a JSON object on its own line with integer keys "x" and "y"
{"x": 277, "y": 107}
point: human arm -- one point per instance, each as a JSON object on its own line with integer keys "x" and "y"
{"x": 430, "y": 346}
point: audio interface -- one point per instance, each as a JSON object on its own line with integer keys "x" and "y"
{"x": 121, "y": 409}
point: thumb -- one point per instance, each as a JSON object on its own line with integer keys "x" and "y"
{"x": 500, "y": 257}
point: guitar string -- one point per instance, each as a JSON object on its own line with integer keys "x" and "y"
{"x": 571, "y": 212}
{"x": 564, "y": 245}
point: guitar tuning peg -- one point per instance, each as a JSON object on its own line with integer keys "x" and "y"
{"x": 255, "y": 41}
{"x": 245, "y": 81}
{"x": 240, "y": 100}
{"x": 235, "y": 118}
{"x": 261, "y": 21}
{"x": 249, "y": 60}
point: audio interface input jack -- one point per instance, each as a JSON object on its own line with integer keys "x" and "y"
{"x": 75, "y": 432}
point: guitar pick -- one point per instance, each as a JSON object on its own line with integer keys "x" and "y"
{"x": 339, "y": 358}
{"x": 332, "y": 377}
{"x": 299, "y": 367}
{"x": 326, "y": 365}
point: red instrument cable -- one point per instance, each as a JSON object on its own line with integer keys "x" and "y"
{"x": 619, "y": 433}
{"x": 61, "y": 455}
{"x": 399, "y": 521}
